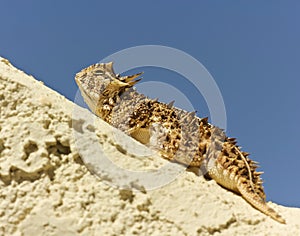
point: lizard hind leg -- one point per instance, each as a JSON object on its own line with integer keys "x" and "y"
{"x": 234, "y": 171}
{"x": 257, "y": 202}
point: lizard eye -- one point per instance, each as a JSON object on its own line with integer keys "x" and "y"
{"x": 98, "y": 72}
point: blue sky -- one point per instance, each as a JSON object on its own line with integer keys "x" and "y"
{"x": 251, "y": 49}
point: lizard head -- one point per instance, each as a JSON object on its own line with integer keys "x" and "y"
{"x": 98, "y": 83}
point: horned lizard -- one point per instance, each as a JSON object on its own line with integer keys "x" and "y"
{"x": 177, "y": 135}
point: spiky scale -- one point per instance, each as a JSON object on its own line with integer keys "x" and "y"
{"x": 176, "y": 134}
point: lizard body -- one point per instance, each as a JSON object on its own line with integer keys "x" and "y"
{"x": 176, "y": 134}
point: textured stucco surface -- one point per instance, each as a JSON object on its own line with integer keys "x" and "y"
{"x": 46, "y": 189}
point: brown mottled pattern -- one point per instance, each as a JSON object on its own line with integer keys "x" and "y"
{"x": 176, "y": 134}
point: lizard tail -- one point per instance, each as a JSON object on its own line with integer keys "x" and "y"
{"x": 257, "y": 202}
